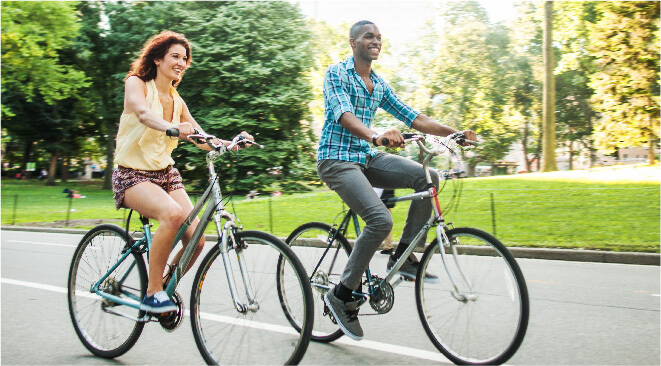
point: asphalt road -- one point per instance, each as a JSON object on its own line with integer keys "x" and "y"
{"x": 581, "y": 314}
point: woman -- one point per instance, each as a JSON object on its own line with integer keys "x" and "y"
{"x": 145, "y": 180}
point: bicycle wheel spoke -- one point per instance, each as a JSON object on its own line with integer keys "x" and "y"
{"x": 265, "y": 332}
{"x": 484, "y": 321}
{"x": 310, "y": 243}
{"x": 105, "y": 334}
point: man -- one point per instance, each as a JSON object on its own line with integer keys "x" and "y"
{"x": 350, "y": 167}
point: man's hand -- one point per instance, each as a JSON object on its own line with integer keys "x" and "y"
{"x": 469, "y": 135}
{"x": 395, "y": 138}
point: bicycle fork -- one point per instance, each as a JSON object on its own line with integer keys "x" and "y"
{"x": 445, "y": 242}
{"x": 227, "y": 231}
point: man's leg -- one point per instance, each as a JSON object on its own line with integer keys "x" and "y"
{"x": 390, "y": 171}
{"x": 348, "y": 180}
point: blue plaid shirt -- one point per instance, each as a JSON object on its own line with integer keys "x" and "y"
{"x": 345, "y": 91}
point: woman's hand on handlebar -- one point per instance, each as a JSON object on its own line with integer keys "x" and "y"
{"x": 247, "y": 140}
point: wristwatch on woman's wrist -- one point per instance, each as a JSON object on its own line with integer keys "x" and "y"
{"x": 376, "y": 137}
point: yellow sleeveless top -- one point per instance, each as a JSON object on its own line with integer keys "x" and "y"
{"x": 143, "y": 148}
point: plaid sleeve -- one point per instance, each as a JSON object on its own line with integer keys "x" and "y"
{"x": 337, "y": 99}
{"x": 400, "y": 110}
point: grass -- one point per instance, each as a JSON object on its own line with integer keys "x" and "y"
{"x": 603, "y": 209}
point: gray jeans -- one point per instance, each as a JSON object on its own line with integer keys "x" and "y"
{"x": 353, "y": 182}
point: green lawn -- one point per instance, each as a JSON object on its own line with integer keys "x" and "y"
{"x": 607, "y": 209}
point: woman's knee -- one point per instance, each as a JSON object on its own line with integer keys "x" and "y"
{"x": 173, "y": 216}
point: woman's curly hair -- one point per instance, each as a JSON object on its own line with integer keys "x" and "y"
{"x": 155, "y": 49}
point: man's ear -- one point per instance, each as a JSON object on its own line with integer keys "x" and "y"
{"x": 352, "y": 42}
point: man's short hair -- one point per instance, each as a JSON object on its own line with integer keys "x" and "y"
{"x": 355, "y": 29}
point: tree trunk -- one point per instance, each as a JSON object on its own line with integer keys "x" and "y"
{"x": 524, "y": 145}
{"x": 571, "y": 155}
{"x": 65, "y": 169}
{"x": 651, "y": 158}
{"x": 52, "y": 170}
{"x": 27, "y": 155}
{"x": 111, "y": 127}
{"x": 548, "y": 100}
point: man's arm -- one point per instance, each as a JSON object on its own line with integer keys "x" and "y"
{"x": 425, "y": 124}
{"x": 352, "y": 124}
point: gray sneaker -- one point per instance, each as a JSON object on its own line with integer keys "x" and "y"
{"x": 409, "y": 269}
{"x": 346, "y": 314}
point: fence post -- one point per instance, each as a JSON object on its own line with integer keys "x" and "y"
{"x": 493, "y": 216}
{"x": 69, "y": 210}
{"x": 270, "y": 215}
{"x": 13, "y": 219}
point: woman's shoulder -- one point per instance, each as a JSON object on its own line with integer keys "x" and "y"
{"x": 134, "y": 81}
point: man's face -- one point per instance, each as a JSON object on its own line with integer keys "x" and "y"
{"x": 367, "y": 45}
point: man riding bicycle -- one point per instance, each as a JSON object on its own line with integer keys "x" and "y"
{"x": 350, "y": 167}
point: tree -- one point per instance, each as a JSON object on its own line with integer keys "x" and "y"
{"x": 249, "y": 73}
{"x": 625, "y": 40}
{"x": 36, "y": 82}
{"x": 548, "y": 96}
{"x": 467, "y": 75}
{"x": 574, "y": 115}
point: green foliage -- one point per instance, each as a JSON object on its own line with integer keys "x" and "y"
{"x": 625, "y": 40}
{"x": 33, "y": 32}
{"x": 468, "y": 75}
{"x": 249, "y": 74}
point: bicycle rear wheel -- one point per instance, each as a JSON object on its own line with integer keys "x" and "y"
{"x": 103, "y": 333}
{"x": 261, "y": 334}
{"x": 485, "y": 325}
{"x": 324, "y": 265}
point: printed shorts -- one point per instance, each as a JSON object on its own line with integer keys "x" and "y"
{"x": 124, "y": 178}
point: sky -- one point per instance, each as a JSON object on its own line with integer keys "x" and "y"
{"x": 399, "y": 21}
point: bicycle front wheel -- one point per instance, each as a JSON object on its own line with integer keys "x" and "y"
{"x": 95, "y": 319}
{"x": 255, "y": 330}
{"x": 484, "y": 319}
{"x": 324, "y": 264}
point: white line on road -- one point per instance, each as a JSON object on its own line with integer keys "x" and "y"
{"x": 38, "y": 243}
{"x": 377, "y": 346}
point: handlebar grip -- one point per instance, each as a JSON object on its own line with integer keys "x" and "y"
{"x": 409, "y": 135}
{"x": 172, "y": 132}
{"x": 385, "y": 142}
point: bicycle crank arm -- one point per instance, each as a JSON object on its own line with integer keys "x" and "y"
{"x": 144, "y": 319}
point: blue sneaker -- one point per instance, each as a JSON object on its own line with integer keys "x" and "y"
{"x": 158, "y": 303}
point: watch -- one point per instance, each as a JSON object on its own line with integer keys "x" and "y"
{"x": 376, "y": 137}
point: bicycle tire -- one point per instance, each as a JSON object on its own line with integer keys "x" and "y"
{"x": 225, "y": 335}
{"x": 307, "y": 243}
{"x": 105, "y": 334}
{"x": 487, "y": 327}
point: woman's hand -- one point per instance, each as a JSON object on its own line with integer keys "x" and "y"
{"x": 185, "y": 129}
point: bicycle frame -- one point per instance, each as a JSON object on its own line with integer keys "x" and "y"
{"x": 215, "y": 211}
{"x": 435, "y": 220}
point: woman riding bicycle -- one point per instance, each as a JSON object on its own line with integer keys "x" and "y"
{"x": 145, "y": 180}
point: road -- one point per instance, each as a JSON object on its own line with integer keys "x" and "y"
{"x": 581, "y": 314}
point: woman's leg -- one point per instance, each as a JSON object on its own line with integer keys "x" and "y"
{"x": 181, "y": 197}
{"x": 150, "y": 200}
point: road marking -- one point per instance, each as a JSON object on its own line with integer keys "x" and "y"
{"x": 39, "y": 243}
{"x": 373, "y": 345}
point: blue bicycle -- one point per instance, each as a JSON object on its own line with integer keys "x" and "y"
{"x": 250, "y": 290}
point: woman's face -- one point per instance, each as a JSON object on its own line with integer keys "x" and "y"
{"x": 173, "y": 65}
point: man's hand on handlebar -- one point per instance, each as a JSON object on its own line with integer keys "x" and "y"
{"x": 391, "y": 138}
{"x": 468, "y": 136}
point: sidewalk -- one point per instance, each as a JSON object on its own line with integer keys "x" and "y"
{"x": 576, "y": 255}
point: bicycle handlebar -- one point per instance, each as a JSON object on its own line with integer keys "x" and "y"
{"x": 200, "y": 138}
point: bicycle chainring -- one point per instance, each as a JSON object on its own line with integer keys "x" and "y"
{"x": 384, "y": 296}
{"x": 172, "y": 320}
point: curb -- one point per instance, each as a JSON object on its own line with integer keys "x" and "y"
{"x": 574, "y": 255}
